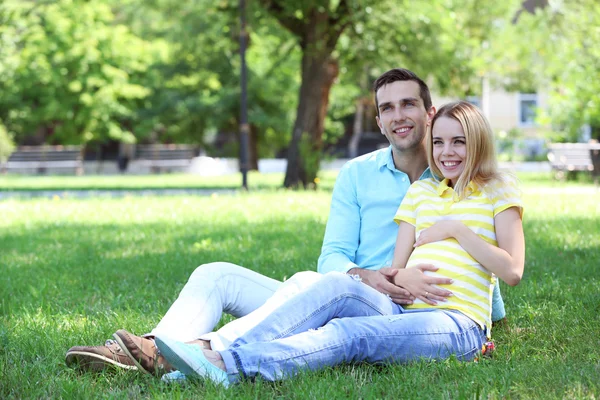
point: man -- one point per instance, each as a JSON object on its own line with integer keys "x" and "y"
{"x": 359, "y": 240}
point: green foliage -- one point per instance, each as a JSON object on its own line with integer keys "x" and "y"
{"x": 444, "y": 41}
{"x": 196, "y": 93}
{"x": 74, "y": 71}
{"x": 556, "y": 49}
{"x": 7, "y": 145}
{"x": 68, "y": 72}
{"x": 75, "y": 271}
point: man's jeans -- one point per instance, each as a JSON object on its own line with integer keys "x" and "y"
{"x": 340, "y": 319}
{"x": 220, "y": 287}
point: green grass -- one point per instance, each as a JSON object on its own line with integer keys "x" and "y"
{"x": 18, "y": 183}
{"x": 74, "y": 271}
{"x": 139, "y": 182}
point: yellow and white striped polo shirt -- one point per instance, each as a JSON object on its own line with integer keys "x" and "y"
{"x": 429, "y": 201}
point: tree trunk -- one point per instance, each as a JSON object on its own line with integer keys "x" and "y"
{"x": 319, "y": 71}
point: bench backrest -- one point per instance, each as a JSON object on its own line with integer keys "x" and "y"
{"x": 571, "y": 156}
{"x": 46, "y": 153}
{"x": 165, "y": 152}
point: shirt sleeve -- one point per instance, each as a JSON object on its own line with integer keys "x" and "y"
{"x": 341, "y": 240}
{"x": 506, "y": 195}
{"x": 406, "y": 212}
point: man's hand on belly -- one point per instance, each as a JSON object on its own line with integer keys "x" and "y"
{"x": 382, "y": 281}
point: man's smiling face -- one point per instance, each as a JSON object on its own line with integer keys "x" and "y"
{"x": 402, "y": 117}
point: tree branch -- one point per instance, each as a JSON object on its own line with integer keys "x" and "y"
{"x": 339, "y": 22}
{"x": 277, "y": 10}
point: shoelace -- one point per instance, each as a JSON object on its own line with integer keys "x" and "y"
{"x": 111, "y": 342}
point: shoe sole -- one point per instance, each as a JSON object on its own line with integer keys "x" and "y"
{"x": 93, "y": 361}
{"x": 179, "y": 359}
{"x": 128, "y": 353}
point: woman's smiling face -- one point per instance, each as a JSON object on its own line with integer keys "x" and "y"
{"x": 449, "y": 148}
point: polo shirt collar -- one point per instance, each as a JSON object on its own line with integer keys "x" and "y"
{"x": 472, "y": 187}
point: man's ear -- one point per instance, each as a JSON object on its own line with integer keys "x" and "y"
{"x": 379, "y": 124}
{"x": 430, "y": 115}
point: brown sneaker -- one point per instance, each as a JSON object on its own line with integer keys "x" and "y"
{"x": 97, "y": 358}
{"x": 143, "y": 352}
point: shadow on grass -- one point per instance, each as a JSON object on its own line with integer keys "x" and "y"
{"x": 83, "y": 267}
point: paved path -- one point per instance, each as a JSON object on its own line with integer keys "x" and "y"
{"x": 85, "y": 194}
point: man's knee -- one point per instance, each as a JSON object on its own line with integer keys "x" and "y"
{"x": 304, "y": 278}
{"x": 214, "y": 270}
{"x": 338, "y": 281}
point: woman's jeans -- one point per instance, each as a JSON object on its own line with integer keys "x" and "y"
{"x": 224, "y": 287}
{"x": 338, "y": 320}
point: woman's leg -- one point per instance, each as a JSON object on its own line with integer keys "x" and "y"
{"x": 335, "y": 295}
{"x": 224, "y": 337}
{"x": 211, "y": 290}
{"x": 419, "y": 334}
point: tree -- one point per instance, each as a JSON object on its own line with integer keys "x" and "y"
{"x": 198, "y": 97}
{"x": 555, "y": 47}
{"x": 439, "y": 38}
{"x": 317, "y": 28}
{"x": 68, "y": 74}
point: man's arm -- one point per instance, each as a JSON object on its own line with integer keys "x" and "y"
{"x": 343, "y": 227}
{"x": 342, "y": 238}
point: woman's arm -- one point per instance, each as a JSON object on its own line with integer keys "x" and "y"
{"x": 404, "y": 244}
{"x": 507, "y": 260}
{"x": 414, "y": 280}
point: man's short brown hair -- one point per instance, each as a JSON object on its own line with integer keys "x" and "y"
{"x": 402, "y": 74}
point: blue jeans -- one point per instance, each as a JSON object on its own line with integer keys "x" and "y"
{"x": 341, "y": 320}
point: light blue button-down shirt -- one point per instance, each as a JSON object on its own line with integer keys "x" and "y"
{"x": 361, "y": 231}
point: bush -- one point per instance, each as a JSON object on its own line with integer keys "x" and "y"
{"x": 7, "y": 145}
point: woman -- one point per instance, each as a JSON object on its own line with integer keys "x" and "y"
{"x": 468, "y": 224}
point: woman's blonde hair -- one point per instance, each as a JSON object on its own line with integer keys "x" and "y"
{"x": 480, "y": 164}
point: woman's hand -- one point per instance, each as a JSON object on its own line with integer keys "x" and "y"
{"x": 421, "y": 286}
{"x": 438, "y": 231}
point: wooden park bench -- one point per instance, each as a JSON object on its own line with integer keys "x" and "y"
{"x": 165, "y": 156}
{"x": 41, "y": 158}
{"x": 571, "y": 157}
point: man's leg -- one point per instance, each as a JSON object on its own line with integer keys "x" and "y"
{"x": 211, "y": 290}
{"x": 225, "y": 336}
{"x": 335, "y": 295}
{"x": 143, "y": 349}
{"x": 413, "y": 335}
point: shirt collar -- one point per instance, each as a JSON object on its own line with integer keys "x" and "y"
{"x": 471, "y": 188}
{"x": 386, "y": 159}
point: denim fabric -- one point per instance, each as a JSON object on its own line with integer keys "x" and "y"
{"x": 339, "y": 319}
{"x": 211, "y": 290}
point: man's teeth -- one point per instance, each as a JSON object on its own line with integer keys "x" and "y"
{"x": 401, "y": 130}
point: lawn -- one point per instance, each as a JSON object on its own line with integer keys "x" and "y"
{"x": 256, "y": 180}
{"x": 74, "y": 271}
